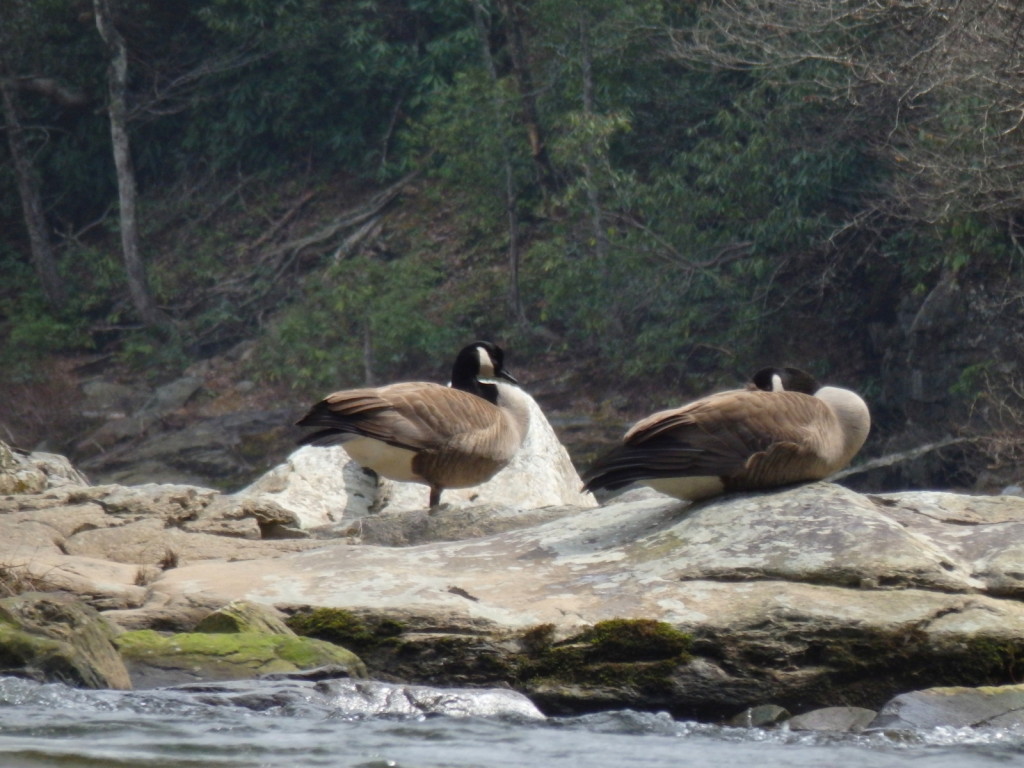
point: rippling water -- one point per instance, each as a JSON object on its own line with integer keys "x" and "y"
{"x": 52, "y": 725}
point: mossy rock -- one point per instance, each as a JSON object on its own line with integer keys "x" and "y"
{"x": 634, "y": 640}
{"x": 345, "y": 628}
{"x": 57, "y": 638}
{"x": 618, "y": 658}
{"x": 154, "y": 659}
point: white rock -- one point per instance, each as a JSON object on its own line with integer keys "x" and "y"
{"x": 323, "y": 486}
{"x": 320, "y": 486}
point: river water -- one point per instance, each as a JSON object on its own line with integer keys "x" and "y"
{"x": 52, "y": 725}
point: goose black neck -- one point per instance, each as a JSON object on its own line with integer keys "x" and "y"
{"x": 468, "y": 367}
{"x": 487, "y": 391}
{"x": 474, "y": 386}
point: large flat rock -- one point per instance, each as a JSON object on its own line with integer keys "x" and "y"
{"x": 804, "y": 596}
{"x": 817, "y": 550}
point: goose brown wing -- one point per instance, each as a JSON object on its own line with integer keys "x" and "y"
{"x": 779, "y": 464}
{"x": 716, "y": 436}
{"x": 417, "y": 416}
{"x": 449, "y": 418}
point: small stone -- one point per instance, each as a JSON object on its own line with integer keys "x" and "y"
{"x": 761, "y": 716}
{"x": 839, "y": 719}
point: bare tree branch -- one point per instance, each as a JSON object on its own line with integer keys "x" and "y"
{"x": 899, "y": 457}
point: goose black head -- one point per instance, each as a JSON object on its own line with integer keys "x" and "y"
{"x": 784, "y": 380}
{"x": 477, "y": 366}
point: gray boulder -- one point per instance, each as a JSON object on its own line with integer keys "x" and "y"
{"x": 224, "y": 450}
{"x": 986, "y": 707}
{"x": 803, "y": 596}
{"x": 199, "y": 429}
{"x": 761, "y": 716}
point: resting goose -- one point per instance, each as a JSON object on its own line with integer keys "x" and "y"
{"x": 446, "y": 437}
{"x": 783, "y": 428}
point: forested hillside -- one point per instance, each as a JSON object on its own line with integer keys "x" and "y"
{"x": 651, "y": 198}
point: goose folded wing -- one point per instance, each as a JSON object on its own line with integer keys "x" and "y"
{"x": 724, "y": 435}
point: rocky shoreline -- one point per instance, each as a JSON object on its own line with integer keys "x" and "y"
{"x": 815, "y": 599}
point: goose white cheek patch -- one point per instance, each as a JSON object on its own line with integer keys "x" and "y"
{"x": 486, "y": 364}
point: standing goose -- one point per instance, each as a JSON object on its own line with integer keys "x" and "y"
{"x": 420, "y": 432}
{"x": 783, "y": 428}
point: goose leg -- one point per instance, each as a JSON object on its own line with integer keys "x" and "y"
{"x": 435, "y": 497}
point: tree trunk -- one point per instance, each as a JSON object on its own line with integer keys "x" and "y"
{"x": 43, "y": 258}
{"x": 369, "y": 379}
{"x": 511, "y": 190}
{"x": 601, "y": 246}
{"x": 117, "y": 81}
{"x": 527, "y": 90}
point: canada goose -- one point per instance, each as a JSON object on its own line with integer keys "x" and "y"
{"x": 783, "y": 428}
{"x": 446, "y": 437}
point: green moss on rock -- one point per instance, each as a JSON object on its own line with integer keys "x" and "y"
{"x": 56, "y": 637}
{"x": 24, "y": 650}
{"x": 635, "y": 640}
{"x": 637, "y": 654}
{"x": 345, "y": 628}
{"x": 231, "y": 656}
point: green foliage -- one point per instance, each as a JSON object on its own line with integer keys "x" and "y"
{"x": 29, "y": 329}
{"x": 389, "y": 308}
{"x": 674, "y": 215}
{"x": 972, "y": 380}
{"x": 27, "y": 341}
{"x": 470, "y": 124}
{"x": 149, "y": 351}
{"x": 332, "y": 80}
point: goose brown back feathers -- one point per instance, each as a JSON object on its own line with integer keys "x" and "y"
{"x": 739, "y": 440}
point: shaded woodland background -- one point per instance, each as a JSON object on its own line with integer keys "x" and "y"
{"x": 642, "y": 200}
